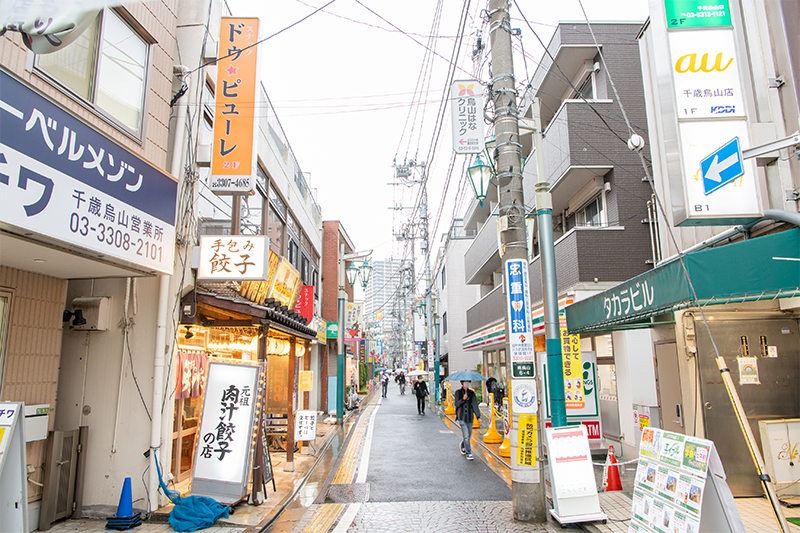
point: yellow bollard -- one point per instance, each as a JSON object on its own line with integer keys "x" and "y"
{"x": 476, "y": 424}
{"x": 492, "y": 436}
{"x": 450, "y": 409}
{"x": 505, "y": 448}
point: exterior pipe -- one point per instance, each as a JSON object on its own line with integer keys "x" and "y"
{"x": 121, "y": 362}
{"x": 158, "y": 387}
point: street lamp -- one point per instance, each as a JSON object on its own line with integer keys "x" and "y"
{"x": 366, "y": 270}
{"x": 480, "y": 176}
{"x": 352, "y": 273}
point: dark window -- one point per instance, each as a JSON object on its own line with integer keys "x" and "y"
{"x": 293, "y": 255}
{"x": 444, "y": 278}
{"x": 444, "y": 324}
{"x": 304, "y": 269}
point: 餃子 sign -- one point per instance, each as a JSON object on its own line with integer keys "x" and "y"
{"x": 224, "y": 442}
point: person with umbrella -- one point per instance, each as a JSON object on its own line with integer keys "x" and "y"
{"x": 466, "y": 404}
{"x": 420, "y": 391}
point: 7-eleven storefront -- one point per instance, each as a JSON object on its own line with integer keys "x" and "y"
{"x": 580, "y": 360}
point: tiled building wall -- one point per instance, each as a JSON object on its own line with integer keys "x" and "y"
{"x": 34, "y": 348}
{"x": 157, "y": 18}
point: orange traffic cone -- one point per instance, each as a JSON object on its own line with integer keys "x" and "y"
{"x": 611, "y": 472}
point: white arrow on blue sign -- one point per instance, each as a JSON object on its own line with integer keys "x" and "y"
{"x": 722, "y": 166}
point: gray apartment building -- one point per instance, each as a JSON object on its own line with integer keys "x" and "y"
{"x": 600, "y": 217}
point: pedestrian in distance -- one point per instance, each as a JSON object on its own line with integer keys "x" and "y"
{"x": 466, "y": 408}
{"x": 420, "y": 391}
{"x": 401, "y": 380}
{"x": 384, "y": 384}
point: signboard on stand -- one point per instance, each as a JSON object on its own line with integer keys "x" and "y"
{"x": 13, "y": 477}
{"x": 305, "y": 425}
{"x": 224, "y": 442}
{"x": 679, "y": 479}
{"x": 520, "y": 334}
{"x": 572, "y": 476}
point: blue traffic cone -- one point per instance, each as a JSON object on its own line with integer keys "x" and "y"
{"x": 125, "y": 507}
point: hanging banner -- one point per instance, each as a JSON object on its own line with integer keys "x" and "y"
{"x": 232, "y": 164}
{"x": 305, "y": 302}
{"x": 353, "y": 319}
{"x": 520, "y": 338}
{"x": 222, "y": 459}
{"x": 466, "y": 105}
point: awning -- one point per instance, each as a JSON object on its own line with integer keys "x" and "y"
{"x": 763, "y": 268}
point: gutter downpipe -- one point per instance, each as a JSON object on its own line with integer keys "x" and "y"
{"x": 163, "y": 301}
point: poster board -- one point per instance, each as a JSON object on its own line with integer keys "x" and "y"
{"x": 305, "y": 425}
{"x": 224, "y": 442}
{"x": 572, "y": 476}
{"x": 13, "y": 478}
{"x": 680, "y": 481}
{"x": 586, "y": 413}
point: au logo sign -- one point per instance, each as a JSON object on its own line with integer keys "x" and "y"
{"x": 688, "y": 63}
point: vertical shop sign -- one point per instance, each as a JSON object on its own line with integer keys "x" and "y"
{"x": 520, "y": 334}
{"x": 234, "y": 116}
{"x": 224, "y": 439}
{"x": 277, "y": 384}
{"x": 466, "y": 104}
{"x": 62, "y": 179}
{"x": 526, "y": 440}
{"x": 362, "y": 351}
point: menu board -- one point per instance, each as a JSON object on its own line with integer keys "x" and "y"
{"x": 670, "y": 481}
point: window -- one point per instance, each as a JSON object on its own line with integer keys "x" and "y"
{"x": 293, "y": 255}
{"x": 586, "y": 89}
{"x": 106, "y": 67}
{"x": 592, "y": 214}
{"x": 444, "y": 277}
{"x": 304, "y": 268}
{"x": 444, "y": 323}
{"x": 315, "y": 281}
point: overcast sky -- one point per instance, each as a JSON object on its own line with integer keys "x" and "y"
{"x": 344, "y": 82}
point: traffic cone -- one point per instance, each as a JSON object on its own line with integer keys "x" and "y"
{"x": 492, "y": 436}
{"x": 505, "y": 447}
{"x": 450, "y": 409}
{"x": 611, "y": 472}
{"x": 125, "y": 518}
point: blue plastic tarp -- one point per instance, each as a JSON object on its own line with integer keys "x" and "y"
{"x": 191, "y": 513}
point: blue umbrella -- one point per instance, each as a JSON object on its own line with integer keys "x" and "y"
{"x": 465, "y": 375}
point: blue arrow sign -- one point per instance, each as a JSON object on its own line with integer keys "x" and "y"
{"x": 722, "y": 166}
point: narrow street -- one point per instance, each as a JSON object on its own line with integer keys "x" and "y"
{"x": 400, "y": 471}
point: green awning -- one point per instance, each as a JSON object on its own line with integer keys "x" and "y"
{"x": 756, "y": 269}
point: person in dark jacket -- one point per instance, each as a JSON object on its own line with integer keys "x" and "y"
{"x": 401, "y": 380}
{"x": 466, "y": 408}
{"x": 420, "y": 391}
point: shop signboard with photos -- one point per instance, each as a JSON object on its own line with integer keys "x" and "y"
{"x": 680, "y": 487}
{"x": 233, "y": 257}
{"x": 285, "y": 283}
{"x": 224, "y": 443}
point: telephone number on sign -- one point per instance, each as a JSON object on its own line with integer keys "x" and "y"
{"x": 115, "y": 237}
{"x": 227, "y": 183}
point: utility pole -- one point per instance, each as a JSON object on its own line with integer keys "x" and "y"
{"x": 527, "y": 480}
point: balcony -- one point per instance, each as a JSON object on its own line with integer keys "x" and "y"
{"x": 489, "y": 310}
{"x": 482, "y": 257}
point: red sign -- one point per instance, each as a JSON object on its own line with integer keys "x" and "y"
{"x": 592, "y": 428}
{"x": 305, "y": 302}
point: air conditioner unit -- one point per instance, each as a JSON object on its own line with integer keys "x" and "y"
{"x": 582, "y": 197}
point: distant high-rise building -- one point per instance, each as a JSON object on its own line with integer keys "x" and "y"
{"x": 382, "y": 291}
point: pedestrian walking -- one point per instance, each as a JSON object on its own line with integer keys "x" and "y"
{"x": 401, "y": 380}
{"x": 420, "y": 391}
{"x": 384, "y": 384}
{"x": 466, "y": 408}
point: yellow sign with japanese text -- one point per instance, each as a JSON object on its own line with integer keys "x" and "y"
{"x": 285, "y": 283}
{"x": 306, "y": 378}
{"x": 234, "y": 112}
{"x": 573, "y": 370}
{"x": 526, "y": 440}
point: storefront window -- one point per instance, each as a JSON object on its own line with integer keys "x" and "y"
{"x": 275, "y": 230}
{"x": 5, "y": 309}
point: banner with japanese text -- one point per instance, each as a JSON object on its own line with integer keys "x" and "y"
{"x": 233, "y": 257}
{"x": 71, "y": 185}
{"x": 573, "y": 368}
{"x": 285, "y": 283}
{"x": 305, "y": 302}
{"x": 466, "y": 105}
{"x": 234, "y": 113}
{"x": 353, "y": 320}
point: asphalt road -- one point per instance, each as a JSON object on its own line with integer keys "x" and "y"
{"x": 417, "y": 458}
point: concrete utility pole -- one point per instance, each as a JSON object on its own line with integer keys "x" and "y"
{"x": 527, "y": 483}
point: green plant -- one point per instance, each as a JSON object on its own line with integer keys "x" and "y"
{"x": 363, "y": 375}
